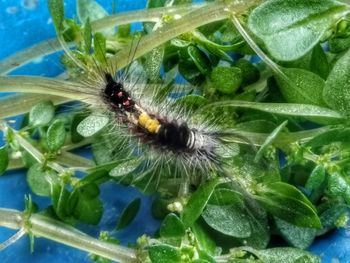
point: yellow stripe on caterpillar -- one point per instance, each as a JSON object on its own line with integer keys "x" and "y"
{"x": 150, "y": 124}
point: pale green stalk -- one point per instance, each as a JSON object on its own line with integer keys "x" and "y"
{"x": 21, "y": 103}
{"x": 207, "y": 14}
{"x": 35, "y": 153}
{"x": 41, "y": 85}
{"x": 51, "y": 46}
{"x": 46, "y": 227}
{"x": 70, "y": 160}
{"x": 282, "y": 140}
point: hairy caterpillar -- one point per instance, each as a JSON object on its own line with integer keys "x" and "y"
{"x": 168, "y": 138}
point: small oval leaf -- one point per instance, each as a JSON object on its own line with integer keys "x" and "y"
{"x": 4, "y": 159}
{"x": 229, "y": 220}
{"x": 290, "y": 28}
{"x": 56, "y": 135}
{"x": 41, "y": 114}
{"x": 197, "y": 202}
{"x": 92, "y": 125}
{"x": 336, "y": 92}
{"x": 172, "y": 227}
{"x": 164, "y": 254}
{"x": 129, "y": 213}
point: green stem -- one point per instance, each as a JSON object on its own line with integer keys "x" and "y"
{"x": 245, "y": 137}
{"x": 41, "y": 85}
{"x": 49, "y": 228}
{"x": 74, "y": 161}
{"x": 35, "y": 153}
{"x": 209, "y": 13}
{"x": 21, "y": 103}
{"x": 67, "y": 159}
{"x": 51, "y": 46}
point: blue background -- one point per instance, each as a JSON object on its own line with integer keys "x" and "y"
{"x": 22, "y": 24}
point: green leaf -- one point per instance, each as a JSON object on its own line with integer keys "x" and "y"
{"x": 226, "y": 80}
{"x": 269, "y": 140}
{"x": 317, "y": 177}
{"x": 319, "y": 62}
{"x": 89, "y": 190}
{"x": 153, "y": 63}
{"x": 90, "y": 9}
{"x": 56, "y": 135}
{"x": 85, "y": 205}
{"x": 337, "y": 45}
{"x": 250, "y": 74}
{"x": 100, "y": 47}
{"x": 229, "y": 219}
{"x": 129, "y": 213}
{"x": 124, "y": 168}
{"x": 302, "y": 86}
{"x": 75, "y": 136}
{"x": 205, "y": 242}
{"x": 40, "y": 180}
{"x": 290, "y": 28}
{"x": 289, "y": 109}
{"x": 190, "y": 72}
{"x": 92, "y": 125}
{"x": 336, "y": 92}
{"x": 258, "y": 220}
{"x": 330, "y": 217}
{"x": 197, "y": 202}
{"x": 223, "y": 196}
{"x": 287, "y": 255}
{"x": 164, "y": 254}
{"x": 339, "y": 186}
{"x": 4, "y": 159}
{"x": 300, "y": 237}
{"x": 41, "y": 114}
{"x": 87, "y": 37}
{"x": 288, "y": 203}
{"x": 56, "y": 9}
{"x": 200, "y": 59}
{"x": 60, "y": 200}
{"x": 172, "y": 227}
{"x": 330, "y": 136}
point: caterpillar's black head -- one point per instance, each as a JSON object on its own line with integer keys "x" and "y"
{"x": 116, "y": 95}
{"x": 112, "y": 87}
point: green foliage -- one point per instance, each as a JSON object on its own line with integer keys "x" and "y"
{"x": 4, "y": 159}
{"x": 337, "y": 85}
{"x": 197, "y": 202}
{"x": 286, "y": 202}
{"x": 302, "y": 86}
{"x": 226, "y": 79}
{"x": 256, "y": 115}
{"x": 172, "y": 227}
{"x": 89, "y": 10}
{"x": 41, "y": 179}
{"x": 92, "y": 125}
{"x": 129, "y": 213}
{"x": 56, "y": 9}
{"x": 100, "y": 47}
{"x": 229, "y": 219}
{"x": 164, "y": 254}
{"x": 288, "y": 38}
{"x": 41, "y": 114}
{"x": 56, "y": 135}
{"x": 288, "y": 255}
{"x": 300, "y": 237}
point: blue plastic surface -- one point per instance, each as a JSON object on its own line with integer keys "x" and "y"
{"x": 22, "y": 24}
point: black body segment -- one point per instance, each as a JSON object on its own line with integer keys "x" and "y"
{"x": 173, "y": 135}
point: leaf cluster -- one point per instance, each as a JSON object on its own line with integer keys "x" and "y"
{"x": 295, "y": 185}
